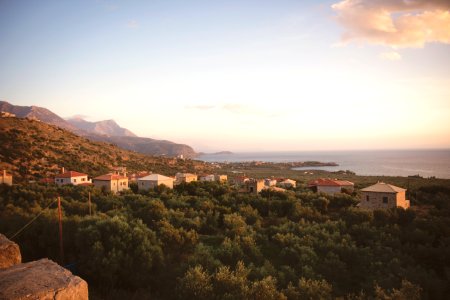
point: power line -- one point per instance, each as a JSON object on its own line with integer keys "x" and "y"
{"x": 32, "y": 220}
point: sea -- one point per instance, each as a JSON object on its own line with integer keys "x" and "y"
{"x": 425, "y": 163}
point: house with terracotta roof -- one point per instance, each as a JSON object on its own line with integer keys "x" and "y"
{"x": 331, "y": 186}
{"x": 185, "y": 177}
{"x": 135, "y": 176}
{"x": 111, "y": 182}
{"x": 5, "y": 178}
{"x": 72, "y": 177}
{"x": 151, "y": 181}
{"x": 383, "y": 195}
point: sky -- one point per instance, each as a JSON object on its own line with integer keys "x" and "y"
{"x": 238, "y": 75}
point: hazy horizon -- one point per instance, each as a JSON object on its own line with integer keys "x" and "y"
{"x": 241, "y": 76}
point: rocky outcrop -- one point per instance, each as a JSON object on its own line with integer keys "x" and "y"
{"x": 41, "y": 279}
{"x": 9, "y": 253}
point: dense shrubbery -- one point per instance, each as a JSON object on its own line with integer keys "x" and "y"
{"x": 205, "y": 241}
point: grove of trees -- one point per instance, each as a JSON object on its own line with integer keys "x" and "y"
{"x": 208, "y": 241}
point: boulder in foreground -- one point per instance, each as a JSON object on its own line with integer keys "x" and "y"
{"x": 41, "y": 279}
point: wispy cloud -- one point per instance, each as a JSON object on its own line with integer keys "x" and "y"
{"x": 133, "y": 24}
{"x": 392, "y": 55}
{"x": 200, "y": 107}
{"x": 408, "y": 23}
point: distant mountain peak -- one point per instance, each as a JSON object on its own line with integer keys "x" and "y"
{"x": 107, "y": 130}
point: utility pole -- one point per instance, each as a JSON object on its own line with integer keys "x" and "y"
{"x": 61, "y": 248}
{"x": 90, "y": 209}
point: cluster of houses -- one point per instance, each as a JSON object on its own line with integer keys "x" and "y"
{"x": 378, "y": 196}
{"x": 118, "y": 180}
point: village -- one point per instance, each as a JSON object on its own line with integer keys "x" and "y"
{"x": 378, "y": 196}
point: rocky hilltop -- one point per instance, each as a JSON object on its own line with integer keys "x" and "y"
{"x": 107, "y": 127}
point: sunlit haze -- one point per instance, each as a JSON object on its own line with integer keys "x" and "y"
{"x": 238, "y": 75}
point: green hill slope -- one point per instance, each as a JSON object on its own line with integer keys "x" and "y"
{"x": 32, "y": 150}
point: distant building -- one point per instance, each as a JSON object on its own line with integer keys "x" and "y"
{"x": 287, "y": 183}
{"x": 331, "y": 186}
{"x": 72, "y": 177}
{"x": 111, "y": 182}
{"x": 240, "y": 180}
{"x": 270, "y": 182}
{"x": 185, "y": 177}
{"x": 220, "y": 178}
{"x": 254, "y": 186}
{"x": 382, "y": 195}
{"x": 5, "y": 178}
{"x": 209, "y": 177}
{"x": 151, "y": 181}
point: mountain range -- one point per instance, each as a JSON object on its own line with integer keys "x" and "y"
{"x": 105, "y": 131}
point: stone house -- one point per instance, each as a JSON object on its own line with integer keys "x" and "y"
{"x": 221, "y": 178}
{"x": 5, "y": 178}
{"x": 111, "y": 182}
{"x": 72, "y": 177}
{"x": 151, "y": 181}
{"x": 382, "y": 195}
{"x": 254, "y": 186}
{"x": 331, "y": 186}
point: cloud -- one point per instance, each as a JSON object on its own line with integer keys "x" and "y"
{"x": 396, "y": 23}
{"x": 392, "y": 55}
{"x": 200, "y": 107}
{"x": 133, "y": 24}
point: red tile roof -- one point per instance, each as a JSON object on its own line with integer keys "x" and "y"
{"x": 329, "y": 182}
{"x": 109, "y": 177}
{"x": 70, "y": 174}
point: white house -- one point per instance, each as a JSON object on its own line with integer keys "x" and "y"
{"x": 72, "y": 177}
{"x": 208, "y": 177}
{"x": 151, "y": 181}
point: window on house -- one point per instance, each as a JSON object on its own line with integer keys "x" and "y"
{"x": 367, "y": 198}
{"x": 74, "y": 180}
{"x": 83, "y": 179}
{"x": 385, "y": 199}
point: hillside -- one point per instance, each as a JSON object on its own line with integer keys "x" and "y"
{"x": 146, "y": 145}
{"x": 106, "y": 131}
{"x": 32, "y": 150}
{"x": 106, "y": 127}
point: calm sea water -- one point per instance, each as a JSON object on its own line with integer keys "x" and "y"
{"x": 425, "y": 163}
